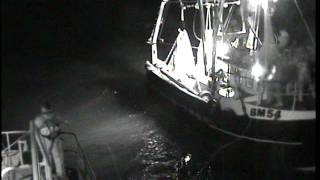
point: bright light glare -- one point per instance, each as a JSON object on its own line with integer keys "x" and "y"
{"x": 222, "y": 49}
{"x": 183, "y": 55}
{"x": 257, "y": 71}
{"x": 254, "y": 3}
{"x": 187, "y": 158}
{"x": 264, "y": 4}
{"x": 226, "y": 92}
{"x": 273, "y": 71}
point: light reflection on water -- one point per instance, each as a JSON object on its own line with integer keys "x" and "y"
{"x": 158, "y": 156}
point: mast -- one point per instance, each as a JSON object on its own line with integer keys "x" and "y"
{"x": 183, "y": 23}
{"x": 202, "y": 29}
{"x": 218, "y": 20}
{"x": 268, "y": 34}
{"x": 156, "y": 32}
{"x": 256, "y": 25}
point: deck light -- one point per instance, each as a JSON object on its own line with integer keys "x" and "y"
{"x": 263, "y": 3}
{"x": 187, "y": 158}
{"x": 257, "y": 71}
{"x": 222, "y": 49}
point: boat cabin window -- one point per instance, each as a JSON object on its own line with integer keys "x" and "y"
{"x": 248, "y": 26}
{"x": 171, "y": 23}
{"x": 233, "y": 20}
{"x": 168, "y": 29}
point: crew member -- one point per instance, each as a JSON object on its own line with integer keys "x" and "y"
{"x": 277, "y": 60}
{"x": 47, "y": 125}
{"x": 304, "y": 77}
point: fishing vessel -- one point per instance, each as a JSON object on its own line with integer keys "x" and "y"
{"x": 224, "y": 62}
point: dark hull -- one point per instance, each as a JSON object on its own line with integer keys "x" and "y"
{"x": 300, "y": 132}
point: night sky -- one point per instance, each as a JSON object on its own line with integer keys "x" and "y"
{"x": 72, "y": 28}
{"x": 78, "y": 28}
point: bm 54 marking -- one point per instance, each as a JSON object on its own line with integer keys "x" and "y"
{"x": 263, "y": 112}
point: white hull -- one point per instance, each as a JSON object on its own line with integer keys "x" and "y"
{"x": 252, "y": 111}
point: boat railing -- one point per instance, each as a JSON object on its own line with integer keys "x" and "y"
{"x": 13, "y": 148}
{"x": 285, "y": 88}
{"x": 8, "y": 145}
{"x": 22, "y": 151}
{"x": 291, "y": 93}
{"x": 86, "y": 168}
{"x": 21, "y": 155}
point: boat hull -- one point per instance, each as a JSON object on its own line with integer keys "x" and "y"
{"x": 300, "y": 132}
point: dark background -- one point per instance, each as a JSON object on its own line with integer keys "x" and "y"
{"x": 72, "y": 28}
{"x": 87, "y": 57}
{"x": 78, "y": 28}
{"x": 41, "y": 36}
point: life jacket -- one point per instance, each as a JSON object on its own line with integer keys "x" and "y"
{"x": 49, "y": 129}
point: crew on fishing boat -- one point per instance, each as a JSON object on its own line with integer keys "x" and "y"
{"x": 273, "y": 78}
{"x": 304, "y": 72}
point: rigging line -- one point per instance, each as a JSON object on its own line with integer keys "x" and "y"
{"x": 163, "y": 20}
{"x": 255, "y": 34}
{"x": 193, "y": 26}
{"x": 226, "y": 145}
{"x": 81, "y": 152}
{"x": 203, "y": 35}
{"x": 259, "y": 140}
{"x": 253, "y": 138}
{"x": 171, "y": 52}
{"x": 228, "y": 18}
{"x": 114, "y": 162}
{"x": 208, "y": 18}
{"x": 231, "y": 142}
{"x": 304, "y": 21}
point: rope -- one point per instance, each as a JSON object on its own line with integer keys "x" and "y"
{"x": 259, "y": 140}
{"x": 226, "y": 145}
{"x": 304, "y": 21}
{"x": 239, "y": 137}
{"x": 193, "y": 27}
{"x": 81, "y": 152}
{"x": 253, "y": 138}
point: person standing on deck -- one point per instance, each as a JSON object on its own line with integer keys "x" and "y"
{"x": 47, "y": 125}
{"x": 304, "y": 74}
{"x": 278, "y": 58}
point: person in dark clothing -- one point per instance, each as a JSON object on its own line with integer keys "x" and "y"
{"x": 304, "y": 75}
{"x": 277, "y": 60}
